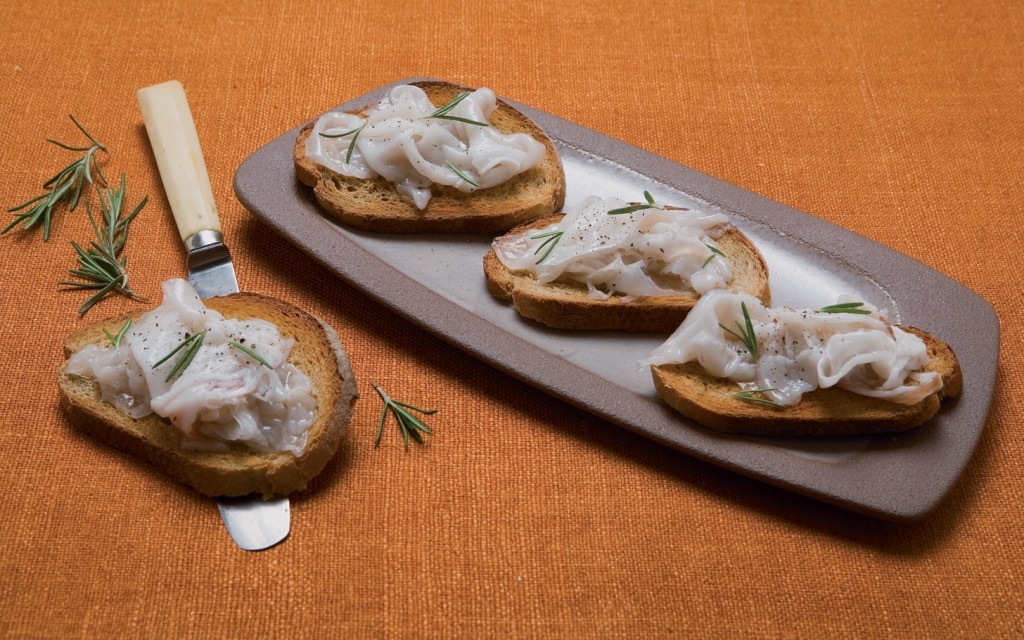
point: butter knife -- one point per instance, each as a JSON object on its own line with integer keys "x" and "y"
{"x": 253, "y": 523}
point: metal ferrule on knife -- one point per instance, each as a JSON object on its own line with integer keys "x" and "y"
{"x": 206, "y": 248}
{"x": 210, "y": 269}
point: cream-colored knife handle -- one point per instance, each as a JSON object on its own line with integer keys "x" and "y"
{"x": 172, "y": 134}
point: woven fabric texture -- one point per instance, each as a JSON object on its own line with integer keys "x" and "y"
{"x": 521, "y": 516}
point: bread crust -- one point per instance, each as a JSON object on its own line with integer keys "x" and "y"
{"x": 375, "y": 204}
{"x": 239, "y": 471}
{"x": 566, "y": 305}
{"x": 711, "y": 402}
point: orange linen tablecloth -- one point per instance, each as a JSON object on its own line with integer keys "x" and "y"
{"x": 521, "y": 516}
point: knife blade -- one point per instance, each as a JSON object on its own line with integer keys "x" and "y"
{"x": 253, "y": 523}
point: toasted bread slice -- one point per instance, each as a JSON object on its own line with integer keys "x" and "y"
{"x": 239, "y": 471}
{"x": 375, "y": 205}
{"x": 566, "y": 305}
{"x": 712, "y": 402}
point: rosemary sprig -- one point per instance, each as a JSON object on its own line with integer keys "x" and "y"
{"x": 101, "y": 266}
{"x": 66, "y": 186}
{"x": 442, "y": 112}
{"x": 249, "y": 352}
{"x": 749, "y": 396}
{"x": 550, "y": 238}
{"x": 715, "y": 251}
{"x": 116, "y": 338}
{"x": 744, "y": 333}
{"x": 351, "y": 144}
{"x": 409, "y": 424}
{"x": 463, "y": 175}
{"x": 191, "y": 346}
{"x": 650, "y": 204}
{"x": 846, "y": 307}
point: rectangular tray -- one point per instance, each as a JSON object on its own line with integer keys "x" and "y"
{"x": 436, "y": 282}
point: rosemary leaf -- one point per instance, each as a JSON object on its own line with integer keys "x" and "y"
{"x": 458, "y": 119}
{"x": 191, "y": 346}
{"x": 116, "y": 338}
{"x": 744, "y": 333}
{"x": 352, "y": 143}
{"x": 63, "y": 188}
{"x": 715, "y": 251}
{"x": 550, "y": 238}
{"x": 463, "y": 176}
{"x": 442, "y": 112}
{"x": 650, "y": 204}
{"x": 249, "y": 352}
{"x": 408, "y": 424}
{"x": 846, "y": 307}
{"x": 749, "y": 396}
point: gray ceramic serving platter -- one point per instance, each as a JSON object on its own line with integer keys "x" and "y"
{"x": 436, "y": 282}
